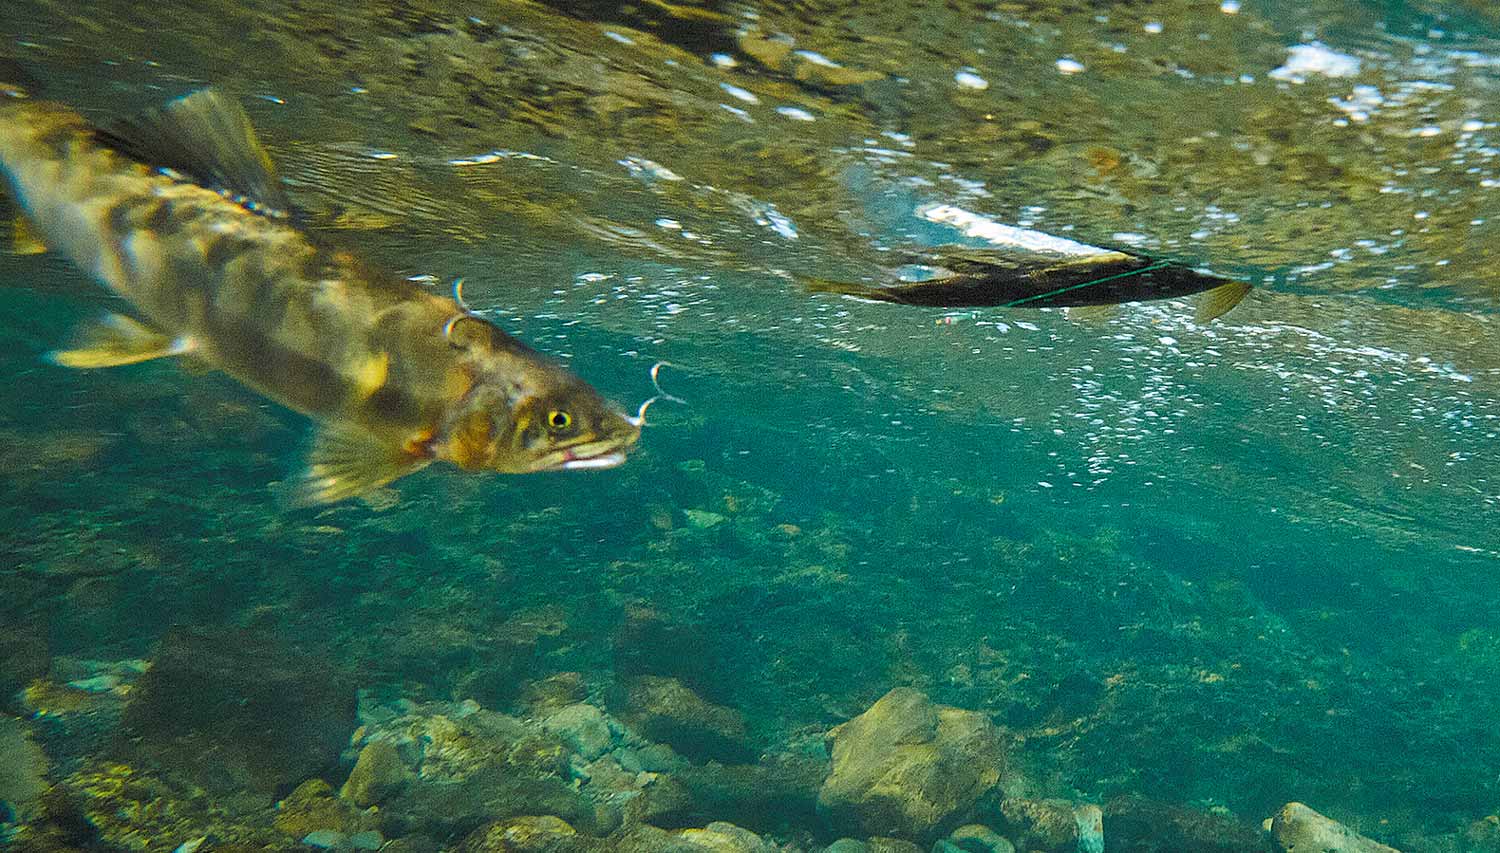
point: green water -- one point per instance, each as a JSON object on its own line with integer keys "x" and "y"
{"x": 1223, "y": 567}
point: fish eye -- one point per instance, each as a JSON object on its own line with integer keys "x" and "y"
{"x": 559, "y": 420}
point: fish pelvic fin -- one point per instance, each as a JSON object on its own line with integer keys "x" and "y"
{"x": 116, "y": 340}
{"x": 1219, "y": 301}
{"x": 346, "y": 462}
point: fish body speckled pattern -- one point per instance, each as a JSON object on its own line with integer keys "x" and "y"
{"x": 180, "y": 214}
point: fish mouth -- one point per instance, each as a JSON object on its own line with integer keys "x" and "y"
{"x": 595, "y": 455}
{"x": 574, "y": 462}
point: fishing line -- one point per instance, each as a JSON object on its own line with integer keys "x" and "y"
{"x": 640, "y": 415}
{"x": 1022, "y": 301}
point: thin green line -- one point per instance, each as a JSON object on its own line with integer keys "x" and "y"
{"x": 1156, "y": 266}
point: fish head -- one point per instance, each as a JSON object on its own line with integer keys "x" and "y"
{"x": 565, "y": 425}
{"x": 529, "y": 415}
{"x": 524, "y": 412}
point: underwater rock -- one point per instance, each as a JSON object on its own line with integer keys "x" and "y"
{"x": 717, "y": 837}
{"x": 978, "y": 838}
{"x": 847, "y": 845}
{"x": 664, "y": 802}
{"x": 312, "y": 808}
{"x": 466, "y": 765}
{"x": 776, "y": 794}
{"x": 1484, "y": 834}
{"x": 542, "y": 697}
{"x": 1055, "y": 826}
{"x": 583, "y": 728}
{"x": 650, "y": 643}
{"x": 454, "y": 747}
{"x": 882, "y": 844}
{"x": 1299, "y": 829}
{"x": 23, "y": 766}
{"x": 909, "y": 768}
{"x": 325, "y": 838}
{"x": 1139, "y": 825}
{"x": 234, "y": 709}
{"x": 378, "y": 772}
{"x": 664, "y": 709}
{"x": 447, "y": 808}
{"x": 24, "y": 655}
{"x": 528, "y": 834}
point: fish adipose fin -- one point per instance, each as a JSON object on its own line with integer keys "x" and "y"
{"x": 347, "y": 461}
{"x": 207, "y": 138}
{"x": 1219, "y": 301}
{"x": 115, "y": 340}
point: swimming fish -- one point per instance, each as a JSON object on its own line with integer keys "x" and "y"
{"x": 180, "y": 213}
{"x": 1058, "y": 273}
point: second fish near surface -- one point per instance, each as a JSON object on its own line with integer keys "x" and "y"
{"x": 1024, "y": 268}
{"x": 179, "y": 212}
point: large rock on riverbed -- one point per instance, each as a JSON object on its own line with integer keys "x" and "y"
{"x": 909, "y": 768}
{"x": 1299, "y": 829}
{"x": 236, "y": 709}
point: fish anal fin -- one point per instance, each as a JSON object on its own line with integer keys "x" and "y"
{"x": 115, "y": 340}
{"x": 24, "y": 239}
{"x": 1219, "y": 301}
{"x": 207, "y": 137}
{"x": 347, "y": 461}
{"x": 1091, "y": 315}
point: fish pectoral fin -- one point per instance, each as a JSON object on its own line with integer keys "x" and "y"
{"x": 1219, "y": 301}
{"x": 347, "y": 461}
{"x": 206, "y": 137}
{"x": 24, "y": 239}
{"x": 116, "y": 340}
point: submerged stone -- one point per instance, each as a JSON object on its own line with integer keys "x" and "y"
{"x": 583, "y": 728}
{"x": 23, "y": 766}
{"x": 717, "y": 837}
{"x": 313, "y": 808}
{"x": 909, "y": 768}
{"x": 236, "y": 709}
{"x": 664, "y": 709}
{"x": 1054, "y": 825}
{"x": 325, "y": 838}
{"x": 1299, "y": 829}
{"x": 526, "y": 834}
{"x": 378, "y": 771}
{"x": 1141, "y": 825}
{"x": 978, "y": 838}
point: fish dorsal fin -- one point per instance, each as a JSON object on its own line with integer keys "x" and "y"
{"x": 24, "y": 239}
{"x": 206, "y": 137}
{"x": 115, "y": 340}
{"x": 1218, "y": 302}
{"x": 347, "y": 461}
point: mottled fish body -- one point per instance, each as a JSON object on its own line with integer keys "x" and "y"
{"x": 179, "y": 213}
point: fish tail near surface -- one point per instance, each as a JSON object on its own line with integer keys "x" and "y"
{"x": 1220, "y": 301}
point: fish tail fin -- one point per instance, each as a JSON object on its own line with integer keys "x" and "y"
{"x": 1219, "y": 301}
